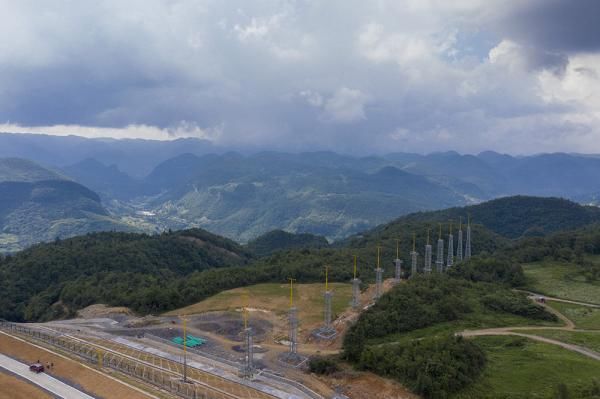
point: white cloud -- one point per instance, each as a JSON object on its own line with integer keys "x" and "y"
{"x": 449, "y": 72}
{"x": 183, "y": 129}
{"x": 346, "y": 105}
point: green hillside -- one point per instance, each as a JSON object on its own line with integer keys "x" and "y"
{"x": 244, "y": 197}
{"x": 37, "y": 204}
{"x": 517, "y": 216}
{"x": 278, "y": 240}
{"x": 23, "y": 170}
{"x": 409, "y": 334}
{"x": 121, "y": 268}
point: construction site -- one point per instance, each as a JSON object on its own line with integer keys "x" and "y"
{"x": 250, "y": 342}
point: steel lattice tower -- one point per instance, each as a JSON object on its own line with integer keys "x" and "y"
{"x": 398, "y": 263}
{"x": 248, "y": 370}
{"x": 459, "y": 248}
{"x": 468, "y": 244}
{"x": 293, "y": 336}
{"x": 413, "y": 261}
{"x": 398, "y": 273}
{"x": 326, "y": 331}
{"x": 327, "y": 314}
{"x": 248, "y": 367}
{"x": 439, "y": 261}
{"x": 355, "y": 288}
{"x": 427, "y": 261}
{"x": 378, "y": 277}
{"x": 293, "y": 321}
{"x": 327, "y": 311}
{"x": 450, "y": 260}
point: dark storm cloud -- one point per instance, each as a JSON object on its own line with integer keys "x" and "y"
{"x": 555, "y": 26}
{"x": 348, "y": 75}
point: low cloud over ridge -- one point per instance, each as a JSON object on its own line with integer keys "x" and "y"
{"x": 354, "y": 76}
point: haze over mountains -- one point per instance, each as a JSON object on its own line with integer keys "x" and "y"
{"x": 142, "y": 185}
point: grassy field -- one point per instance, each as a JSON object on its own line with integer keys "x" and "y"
{"x": 520, "y": 368}
{"x": 584, "y": 317}
{"x": 474, "y": 321}
{"x": 590, "y": 340}
{"x": 561, "y": 280}
{"x": 12, "y": 387}
{"x": 308, "y": 298}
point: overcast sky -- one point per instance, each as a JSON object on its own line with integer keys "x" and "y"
{"x": 358, "y": 76}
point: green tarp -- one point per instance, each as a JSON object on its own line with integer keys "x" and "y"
{"x": 191, "y": 341}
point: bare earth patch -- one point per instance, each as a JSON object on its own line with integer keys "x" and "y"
{"x": 12, "y": 387}
{"x": 362, "y": 385}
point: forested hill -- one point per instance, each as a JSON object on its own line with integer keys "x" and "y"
{"x": 511, "y": 217}
{"x": 34, "y": 279}
{"x": 38, "y": 204}
{"x": 279, "y": 240}
{"x": 157, "y": 273}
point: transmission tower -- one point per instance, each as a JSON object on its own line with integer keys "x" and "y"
{"x": 439, "y": 261}
{"x": 468, "y": 244}
{"x": 247, "y": 370}
{"x": 427, "y": 266}
{"x": 459, "y": 248}
{"x": 355, "y": 288}
{"x": 413, "y": 260}
{"x": 398, "y": 263}
{"x": 450, "y": 260}
{"x": 378, "y": 276}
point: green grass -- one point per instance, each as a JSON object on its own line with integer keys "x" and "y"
{"x": 275, "y": 297}
{"x": 473, "y": 321}
{"x": 561, "y": 280}
{"x": 520, "y": 368}
{"x": 590, "y": 340}
{"x": 584, "y": 317}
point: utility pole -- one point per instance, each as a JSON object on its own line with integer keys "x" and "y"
{"x": 184, "y": 320}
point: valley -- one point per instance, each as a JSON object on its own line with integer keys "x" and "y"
{"x": 470, "y": 321}
{"x": 243, "y": 196}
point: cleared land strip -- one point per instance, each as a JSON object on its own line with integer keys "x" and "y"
{"x": 225, "y": 386}
{"x": 216, "y": 387}
{"x": 43, "y": 380}
{"x": 65, "y": 368}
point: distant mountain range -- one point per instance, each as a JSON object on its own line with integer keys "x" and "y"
{"x": 37, "y": 204}
{"x": 154, "y": 186}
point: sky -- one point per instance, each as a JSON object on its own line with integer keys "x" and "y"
{"x": 361, "y": 77}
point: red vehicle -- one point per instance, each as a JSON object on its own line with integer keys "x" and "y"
{"x": 37, "y": 367}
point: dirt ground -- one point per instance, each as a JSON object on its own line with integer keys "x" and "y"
{"x": 100, "y": 310}
{"x": 360, "y": 385}
{"x": 68, "y": 370}
{"x": 12, "y": 387}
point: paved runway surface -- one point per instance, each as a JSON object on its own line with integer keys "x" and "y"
{"x": 43, "y": 380}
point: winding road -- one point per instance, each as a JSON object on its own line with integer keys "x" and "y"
{"x": 569, "y": 326}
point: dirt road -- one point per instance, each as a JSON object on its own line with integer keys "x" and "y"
{"x": 569, "y": 326}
